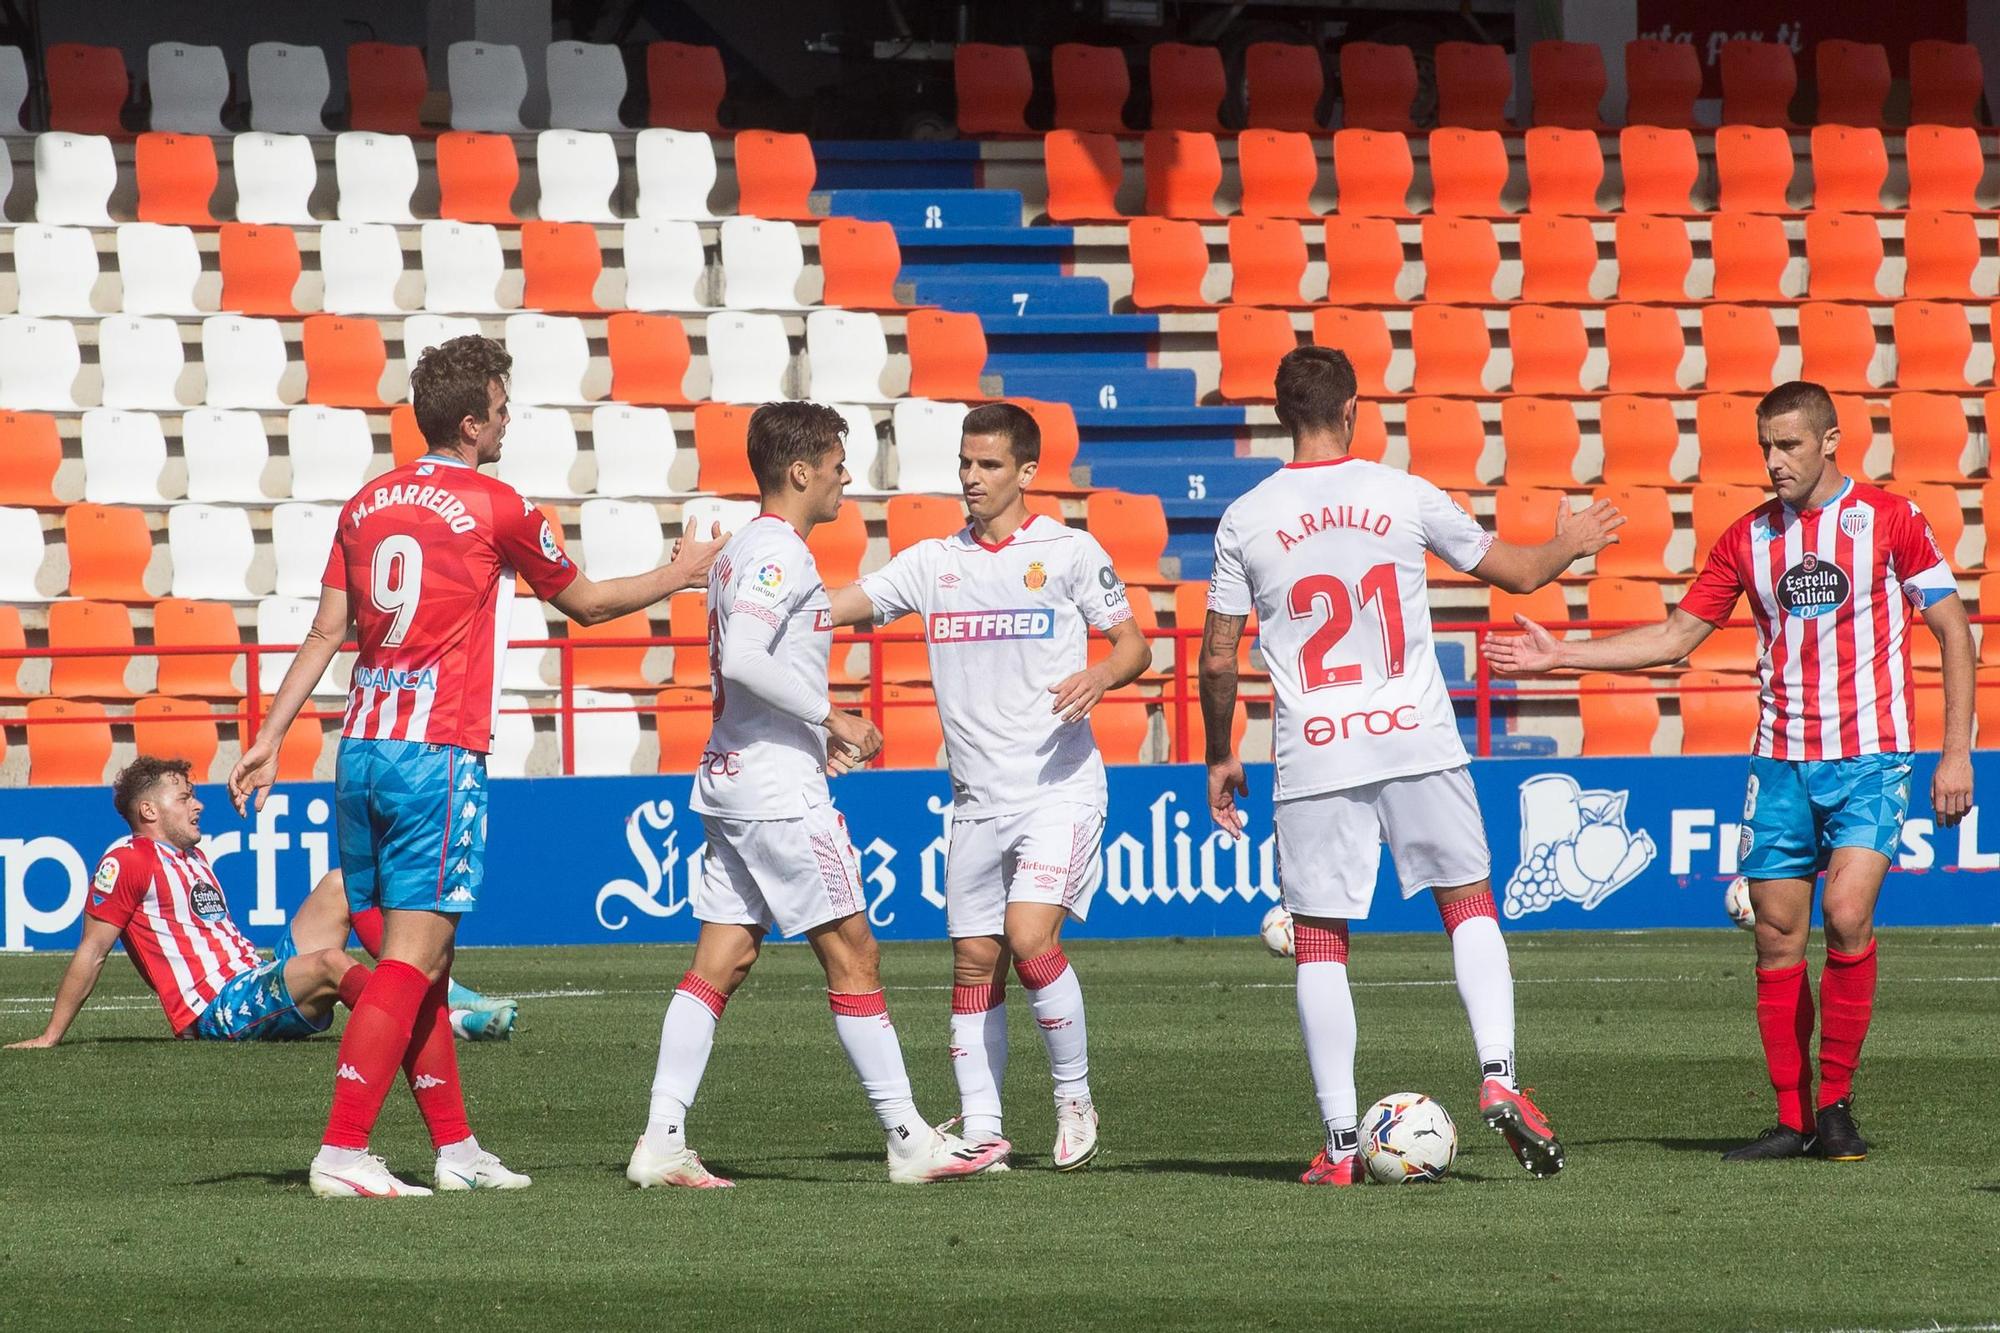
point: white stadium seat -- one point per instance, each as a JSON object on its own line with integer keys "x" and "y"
{"x": 6, "y": 181}
{"x": 21, "y": 554}
{"x": 463, "y": 267}
{"x": 748, "y": 356}
{"x": 331, "y": 448}
{"x": 123, "y": 453}
{"x": 586, "y": 84}
{"x": 13, "y": 89}
{"x": 513, "y": 739}
{"x": 676, "y": 171}
{"x": 705, "y": 513}
{"x": 287, "y": 620}
{"x": 289, "y": 87}
{"x": 578, "y": 170}
{"x": 57, "y": 270}
{"x": 376, "y": 175}
{"x": 188, "y": 84}
{"x": 423, "y": 332}
{"x": 244, "y": 357}
{"x": 212, "y": 548}
{"x": 158, "y": 265}
{"x": 141, "y": 360}
{"x": 539, "y": 452}
{"x": 360, "y": 263}
{"x": 864, "y": 448}
{"x": 522, "y": 667}
{"x": 621, "y": 537}
{"x": 551, "y": 355}
{"x": 761, "y": 264}
{"x": 74, "y": 177}
{"x": 634, "y": 447}
{"x": 301, "y": 536}
{"x": 488, "y": 81}
{"x": 39, "y": 361}
{"x": 846, "y": 353}
{"x": 275, "y": 175}
{"x": 226, "y": 452}
{"x": 606, "y": 742}
{"x": 666, "y": 267}
{"x": 927, "y": 435}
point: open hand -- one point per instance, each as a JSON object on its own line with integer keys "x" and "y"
{"x": 250, "y": 781}
{"x": 1226, "y": 782}
{"x": 1951, "y": 789}
{"x": 1588, "y": 530}
{"x": 692, "y": 556}
{"x": 1529, "y": 653}
{"x": 1077, "y": 694}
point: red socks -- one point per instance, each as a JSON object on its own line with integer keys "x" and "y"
{"x": 1317, "y": 944}
{"x": 353, "y": 983}
{"x": 432, "y": 1067}
{"x": 367, "y": 925}
{"x": 377, "y": 1035}
{"x": 1847, "y": 1003}
{"x": 1785, "y": 1020}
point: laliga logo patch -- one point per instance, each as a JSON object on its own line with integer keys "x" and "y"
{"x": 1036, "y": 577}
{"x": 1813, "y": 587}
{"x": 1857, "y": 521}
{"x": 770, "y": 577}
{"x": 550, "y": 551}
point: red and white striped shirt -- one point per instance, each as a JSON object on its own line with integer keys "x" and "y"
{"x": 1831, "y": 591}
{"x": 174, "y": 922}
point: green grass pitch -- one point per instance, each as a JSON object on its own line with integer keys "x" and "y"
{"x": 151, "y": 1184}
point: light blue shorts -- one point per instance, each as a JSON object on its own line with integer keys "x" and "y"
{"x": 258, "y": 1006}
{"x": 411, "y": 818}
{"x": 1797, "y": 811}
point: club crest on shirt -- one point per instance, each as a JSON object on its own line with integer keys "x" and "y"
{"x": 1813, "y": 587}
{"x": 1036, "y": 577}
{"x": 1854, "y": 522}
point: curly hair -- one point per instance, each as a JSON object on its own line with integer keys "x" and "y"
{"x": 448, "y": 384}
{"x": 137, "y": 779}
{"x": 782, "y": 434}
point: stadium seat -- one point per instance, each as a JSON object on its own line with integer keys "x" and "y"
{"x": 275, "y": 175}
{"x": 1267, "y": 261}
{"x": 1933, "y": 343}
{"x": 158, "y": 267}
{"x": 30, "y": 455}
{"x": 1718, "y": 711}
{"x": 947, "y": 354}
{"x": 56, "y": 269}
{"x": 1632, "y": 601}
{"x": 1378, "y": 84}
{"x": 676, "y": 170}
{"x": 578, "y": 174}
{"x": 344, "y": 360}
{"x": 289, "y": 88}
{"x": 1659, "y": 166}
{"x": 1091, "y": 87}
{"x": 141, "y": 360}
{"x": 1945, "y": 165}
{"x": 649, "y": 359}
{"x": 1713, "y": 507}
{"x": 1940, "y": 252}
{"x": 914, "y": 518}
{"x": 560, "y": 266}
{"x": 1926, "y": 707}
{"x": 360, "y": 263}
{"x": 488, "y": 82}
{"x": 1187, "y": 86}
{"x": 1542, "y": 440}
{"x": 1364, "y": 260}
{"x": 1758, "y": 81}
{"x": 1619, "y": 715}
{"x": 620, "y": 538}
{"x": 684, "y": 87}
{"x": 1183, "y": 171}
{"x": 551, "y": 356}
{"x": 386, "y": 87}
{"x": 1640, "y": 436}
{"x": 301, "y": 534}
{"x": 187, "y": 86}
{"x": 1468, "y": 171}
{"x": 180, "y": 623}
{"x": 1753, "y": 169}
{"x": 39, "y": 361}
{"x": 212, "y": 547}
{"x": 992, "y": 85}
{"x": 423, "y": 332}
{"x": 1569, "y": 81}
{"x": 1474, "y": 81}
{"x": 861, "y": 262}
{"x": 838, "y": 547}
{"x": 1930, "y": 434}
{"x": 1461, "y": 257}
{"x": 1989, "y": 643}
{"x": 1855, "y": 417}
{"x": 762, "y": 262}
{"x": 749, "y": 357}
{"x": 1549, "y": 346}
{"x": 864, "y": 448}
{"x": 331, "y": 449}
{"x": 286, "y": 620}
{"x": 13, "y": 89}
{"x": 74, "y": 177}
{"x": 1654, "y": 258}
{"x": 244, "y": 359}
{"x": 1372, "y": 171}
{"x": 1848, "y": 166}
{"x": 1060, "y": 444}
{"x": 681, "y": 720}
{"x": 1547, "y": 606}
{"x": 226, "y": 452}
{"x": 912, "y": 731}
{"x": 1452, "y": 347}
{"x": 87, "y": 624}
{"x": 109, "y": 548}
{"x": 376, "y": 175}
{"x": 1279, "y": 169}
{"x": 666, "y": 267}
{"x": 1836, "y": 346}
{"x": 177, "y": 175}
{"x": 21, "y": 554}
{"x": 1725, "y": 428}
{"x": 1364, "y": 336}
{"x": 1123, "y": 723}
{"x": 1946, "y": 83}
{"x": 1133, "y": 531}
{"x": 1639, "y": 552}
{"x": 1843, "y": 256}
{"x": 1662, "y": 81}
{"x": 1565, "y": 169}
{"x": 87, "y": 87}
{"x": 462, "y": 266}
{"x": 586, "y": 83}
{"x": 1750, "y": 253}
{"x": 1283, "y": 82}
{"x": 1741, "y": 346}
{"x": 72, "y": 748}
{"x": 1446, "y": 439}
{"x": 634, "y": 448}
{"x": 774, "y": 175}
{"x": 1940, "y": 505}
{"x": 406, "y": 441}
{"x": 721, "y": 435}
{"x": 927, "y": 436}
{"x": 846, "y": 354}
{"x": 607, "y": 731}
{"x": 1853, "y": 81}
{"x": 1526, "y": 515}
{"x": 123, "y": 455}
{"x": 1252, "y": 341}
{"x": 477, "y": 175}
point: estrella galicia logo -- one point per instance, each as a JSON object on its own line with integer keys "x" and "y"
{"x": 1813, "y": 587}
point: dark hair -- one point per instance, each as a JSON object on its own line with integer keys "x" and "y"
{"x": 782, "y": 434}
{"x": 1315, "y": 385}
{"x": 1016, "y": 423}
{"x": 138, "y": 778}
{"x": 1809, "y": 400}
{"x": 448, "y": 384}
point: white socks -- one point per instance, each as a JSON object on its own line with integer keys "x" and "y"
{"x": 1057, "y": 997}
{"x": 869, "y": 1038}
{"x": 979, "y": 1057}
{"x": 1485, "y": 983}
{"x": 463, "y": 1153}
{"x": 1326, "y": 1021}
{"x": 687, "y": 1036}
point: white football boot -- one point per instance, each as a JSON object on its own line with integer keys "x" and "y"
{"x": 1076, "y": 1133}
{"x": 999, "y": 1163}
{"x": 366, "y": 1178}
{"x": 676, "y": 1166}
{"x": 941, "y": 1156}
{"x": 484, "y": 1172}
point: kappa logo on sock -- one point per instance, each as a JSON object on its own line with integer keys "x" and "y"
{"x": 349, "y": 1071}
{"x": 424, "y": 1082}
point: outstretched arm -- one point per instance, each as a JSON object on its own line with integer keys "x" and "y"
{"x": 851, "y": 606}
{"x": 79, "y": 979}
{"x": 591, "y": 603}
{"x": 1951, "y": 783}
{"x": 1536, "y": 650}
{"x": 1522, "y": 569}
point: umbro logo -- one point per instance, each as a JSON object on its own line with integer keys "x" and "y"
{"x": 349, "y": 1071}
{"x": 424, "y": 1081}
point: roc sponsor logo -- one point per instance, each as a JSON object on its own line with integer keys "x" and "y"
{"x": 1036, "y": 578}
{"x": 1813, "y": 587}
{"x": 986, "y": 626}
{"x": 1369, "y": 722}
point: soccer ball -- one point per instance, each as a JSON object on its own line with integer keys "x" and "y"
{"x": 1736, "y": 902}
{"x": 1276, "y": 931}
{"x": 1406, "y": 1136}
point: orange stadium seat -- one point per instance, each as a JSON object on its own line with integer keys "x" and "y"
{"x": 1741, "y": 343}
{"x": 560, "y": 266}
{"x": 1758, "y": 81}
{"x": 1452, "y": 347}
{"x": 1546, "y": 606}
{"x": 1183, "y": 171}
{"x": 344, "y": 359}
{"x": 12, "y": 638}
{"x": 299, "y": 752}
{"x": 1725, "y": 427}
{"x": 1940, "y": 251}
{"x": 1436, "y": 570}
{"x": 1468, "y": 171}
{"x": 1097, "y": 648}
{"x": 1836, "y": 345}
{"x": 177, "y": 175}
{"x": 1565, "y": 170}
{"x": 1251, "y": 341}
{"x": 1731, "y": 649}
{"x": 1279, "y": 169}
{"x": 1654, "y": 258}
{"x": 1542, "y": 439}
{"x": 685, "y": 86}
{"x": 1372, "y": 171}
{"x": 177, "y": 729}
{"x": 1945, "y": 164}
{"x": 1267, "y": 261}
{"x": 1060, "y": 444}
{"x": 687, "y": 618}
{"x": 87, "y": 87}
{"x": 915, "y": 518}
{"x": 1636, "y": 601}
{"x": 1644, "y": 345}
{"x": 681, "y": 719}
{"x": 84, "y": 624}
{"x": 1378, "y": 84}
{"x": 1926, "y": 706}
{"x": 1843, "y": 256}
{"x": 1857, "y": 423}
{"x": 838, "y": 546}
{"x": 1549, "y": 346}
{"x": 1526, "y": 515}
{"x": 72, "y": 746}
{"x": 1364, "y": 258}
{"x": 1284, "y": 82}
{"x": 1989, "y": 638}
{"x": 1084, "y": 173}
{"x": 386, "y": 87}
{"x": 1753, "y": 169}
{"x": 1940, "y": 504}
{"x": 1933, "y": 343}
{"x": 180, "y": 623}
{"x": 1091, "y": 87}
{"x": 1620, "y": 715}
{"x": 1750, "y": 252}
{"x": 30, "y": 454}
{"x": 1371, "y": 434}
{"x": 774, "y": 175}
{"x": 1713, "y": 507}
{"x": 861, "y": 261}
{"x": 1849, "y": 166}
{"x": 1364, "y": 336}
{"x": 1187, "y": 86}
{"x": 993, "y": 85}
{"x": 1133, "y": 531}
{"x": 1641, "y": 436}
{"x": 109, "y": 549}
{"x": 406, "y": 441}
{"x": 1446, "y": 438}
{"x": 260, "y": 268}
{"x": 1461, "y": 259}
{"x": 1660, "y": 167}
{"x": 1718, "y": 712}
{"x": 1569, "y": 82}
{"x": 1474, "y": 81}
{"x": 649, "y": 359}
{"x": 1558, "y": 258}
{"x": 1662, "y": 81}
{"x": 947, "y": 354}
{"x": 912, "y": 731}
{"x": 1122, "y": 723}
{"x": 721, "y": 444}
{"x": 1639, "y": 552}
{"x": 477, "y": 175}
{"x": 1930, "y": 434}
{"x": 612, "y": 668}
{"x": 1169, "y": 259}
{"x": 1946, "y": 83}
{"x": 1853, "y": 79}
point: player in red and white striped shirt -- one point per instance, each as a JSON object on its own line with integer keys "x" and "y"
{"x": 1833, "y": 568}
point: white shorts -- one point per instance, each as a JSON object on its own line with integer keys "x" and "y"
{"x": 792, "y": 874}
{"x": 1330, "y": 846}
{"x": 1044, "y": 855}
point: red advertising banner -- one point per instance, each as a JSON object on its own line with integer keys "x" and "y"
{"x": 1799, "y": 24}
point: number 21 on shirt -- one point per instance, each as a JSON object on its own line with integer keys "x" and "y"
{"x": 1329, "y": 596}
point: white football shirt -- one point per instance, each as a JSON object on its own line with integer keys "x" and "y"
{"x": 1002, "y": 623}
{"x": 763, "y": 763}
{"x": 1329, "y": 557}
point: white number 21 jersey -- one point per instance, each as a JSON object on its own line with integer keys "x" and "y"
{"x": 1329, "y": 557}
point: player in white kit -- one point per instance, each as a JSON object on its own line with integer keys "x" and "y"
{"x": 1329, "y": 554}
{"x": 1008, "y": 603}
{"x": 778, "y": 852}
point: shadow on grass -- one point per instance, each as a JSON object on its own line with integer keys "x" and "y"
{"x": 1716, "y": 1146}
{"x": 1988, "y": 1189}
{"x": 1239, "y": 1170}
{"x": 281, "y": 1178}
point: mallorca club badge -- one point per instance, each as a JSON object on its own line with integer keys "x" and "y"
{"x": 1036, "y": 577}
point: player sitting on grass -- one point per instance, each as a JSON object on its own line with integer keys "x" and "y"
{"x": 1008, "y": 604}
{"x": 156, "y": 891}
{"x": 778, "y": 851}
